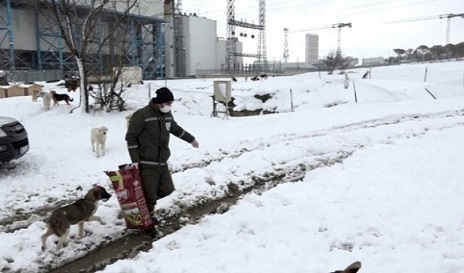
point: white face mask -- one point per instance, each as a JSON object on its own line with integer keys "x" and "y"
{"x": 165, "y": 108}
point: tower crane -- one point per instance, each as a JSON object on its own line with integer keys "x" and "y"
{"x": 339, "y": 34}
{"x": 441, "y": 16}
{"x": 286, "y": 54}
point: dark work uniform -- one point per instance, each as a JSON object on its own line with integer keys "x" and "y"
{"x": 148, "y": 144}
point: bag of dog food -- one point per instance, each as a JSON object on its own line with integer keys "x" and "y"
{"x": 128, "y": 186}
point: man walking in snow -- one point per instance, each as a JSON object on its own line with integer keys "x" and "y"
{"x": 148, "y": 144}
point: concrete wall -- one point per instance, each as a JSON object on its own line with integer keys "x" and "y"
{"x": 221, "y": 46}
{"x": 200, "y": 43}
{"x": 23, "y": 22}
{"x": 150, "y": 8}
{"x": 373, "y": 61}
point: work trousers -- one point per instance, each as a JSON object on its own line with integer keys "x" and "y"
{"x": 157, "y": 183}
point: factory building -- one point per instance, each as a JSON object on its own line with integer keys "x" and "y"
{"x": 163, "y": 41}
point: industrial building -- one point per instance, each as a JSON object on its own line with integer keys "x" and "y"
{"x": 162, "y": 40}
{"x": 30, "y": 38}
{"x": 373, "y": 61}
{"x": 312, "y": 48}
{"x": 203, "y": 52}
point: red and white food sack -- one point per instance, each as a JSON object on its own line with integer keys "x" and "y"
{"x": 128, "y": 186}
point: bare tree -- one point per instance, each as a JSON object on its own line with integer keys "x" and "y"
{"x": 334, "y": 60}
{"x": 91, "y": 29}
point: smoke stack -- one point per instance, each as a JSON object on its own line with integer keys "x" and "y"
{"x": 168, "y": 7}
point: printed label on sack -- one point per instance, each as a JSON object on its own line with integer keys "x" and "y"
{"x": 122, "y": 195}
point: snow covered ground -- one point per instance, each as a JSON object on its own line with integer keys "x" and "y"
{"x": 383, "y": 183}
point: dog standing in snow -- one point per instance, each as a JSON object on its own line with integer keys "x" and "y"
{"x": 46, "y": 99}
{"x": 346, "y": 82}
{"x": 98, "y": 139}
{"x": 366, "y": 75}
{"x": 79, "y": 212}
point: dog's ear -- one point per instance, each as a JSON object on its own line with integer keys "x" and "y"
{"x": 94, "y": 193}
{"x": 353, "y": 268}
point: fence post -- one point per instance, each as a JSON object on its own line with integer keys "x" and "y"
{"x": 425, "y": 76}
{"x": 430, "y": 93}
{"x": 291, "y": 99}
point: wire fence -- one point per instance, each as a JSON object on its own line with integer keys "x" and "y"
{"x": 29, "y": 76}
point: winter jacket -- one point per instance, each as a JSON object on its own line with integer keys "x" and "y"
{"x": 148, "y": 135}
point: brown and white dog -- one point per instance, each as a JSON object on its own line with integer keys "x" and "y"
{"x": 81, "y": 211}
{"x": 60, "y": 97}
{"x": 71, "y": 84}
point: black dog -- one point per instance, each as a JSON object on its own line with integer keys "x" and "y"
{"x": 60, "y": 97}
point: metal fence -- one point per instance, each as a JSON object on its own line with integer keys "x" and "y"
{"x": 29, "y": 76}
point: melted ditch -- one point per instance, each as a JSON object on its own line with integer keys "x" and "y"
{"x": 132, "y": 243}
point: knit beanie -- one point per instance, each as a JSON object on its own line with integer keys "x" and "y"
{"x": 163, "y": 95}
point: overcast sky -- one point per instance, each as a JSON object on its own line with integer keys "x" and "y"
{"x": 369, "y": 36}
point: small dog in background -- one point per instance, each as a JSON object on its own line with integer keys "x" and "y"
{"x": 366, "y": 75}
{"x": 98, "y": 139}
{"x": 46, "y": 99}
{"x": 34, "y": 94}
{"x": 72, "y": 84}
{"x": 79, "y": 212}
{"x": 346, "y": 82}
{"x": 60, "y": 97}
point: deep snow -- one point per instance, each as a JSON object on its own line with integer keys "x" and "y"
{"x": 384, "y": 188}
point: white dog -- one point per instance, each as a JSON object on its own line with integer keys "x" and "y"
{"x": 98, "y": 137}
{"x": 46, "y": 99}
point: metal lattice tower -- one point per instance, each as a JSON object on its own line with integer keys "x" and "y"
{"x": 231, "y": 42}
{"x": 441, "y": 16}
{"x": 7, "y": 57}
{"x": 286, "y": 54}
{"x": 262, "y": 54}
{"x": 448, "y": 23}
{"x": 179, "y": 40}
{"x": 339, "y": 40}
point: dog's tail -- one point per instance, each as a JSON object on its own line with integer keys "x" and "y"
{"x": 71, "y": 99}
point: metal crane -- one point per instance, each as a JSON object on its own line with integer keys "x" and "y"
{"x": 441, "y": 16}
{"x": 339, "y": 26}
{"x": 286, "y": 54}
{"x": 339, "y": 35}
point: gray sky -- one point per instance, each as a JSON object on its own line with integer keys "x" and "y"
{"x": 369, "y": 36}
